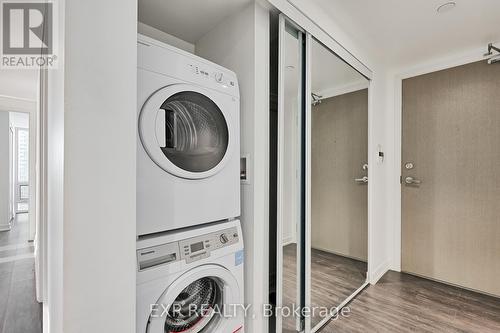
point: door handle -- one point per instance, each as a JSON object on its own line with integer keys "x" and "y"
{"x": 361, "y": 180}
{"x": 412, "y": 181}
{"x": 170, "y": 129}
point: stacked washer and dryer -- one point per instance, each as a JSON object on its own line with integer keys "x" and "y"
{"x": 190, "y": 246}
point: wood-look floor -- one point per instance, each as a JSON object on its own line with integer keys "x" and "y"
{"x": 405, "y": 303}
{"x": 333, "y": 279}
{"x": 19, "y": 310}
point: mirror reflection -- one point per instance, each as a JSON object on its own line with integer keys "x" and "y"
{"x": 339, "y": 177}
{"x": 291, "y": 169}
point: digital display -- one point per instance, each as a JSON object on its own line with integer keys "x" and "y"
{"x": 197, "y": 247}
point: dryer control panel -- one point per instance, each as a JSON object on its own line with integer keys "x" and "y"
{"x": 189, "y": 249}
{"x": 216, "y": 76}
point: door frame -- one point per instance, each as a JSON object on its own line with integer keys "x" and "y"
{"x": 395, "y": 171}
{"x": 283, "y": 20}
{"x": 21, "y": 105}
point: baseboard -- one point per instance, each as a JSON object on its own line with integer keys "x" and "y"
{"x": 5, "y": 227}
{"x": 380, "y": 271}
{"x": 339, "y": 254}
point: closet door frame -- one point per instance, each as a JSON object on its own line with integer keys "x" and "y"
{"x": 307, "y": 188}
{"x": 293, "y": 15}
{"x": 301, "y": 246}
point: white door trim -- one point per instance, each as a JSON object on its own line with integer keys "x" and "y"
{"x": 308, "y": 145}
{"x": 280, "y": 180}
{"x": 299, "y": 16}
{"x": 473, "y": 55}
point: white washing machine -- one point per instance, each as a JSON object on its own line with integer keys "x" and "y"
{"x": 191, "y": 281}
{"x": 188, "y": 154}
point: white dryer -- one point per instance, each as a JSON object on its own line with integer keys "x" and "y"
{"x": 191, "y": 281}
{"x": 188, "y": 140}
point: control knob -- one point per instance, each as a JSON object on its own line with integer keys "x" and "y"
{"x": 219, "y": 77}
{"x": 224, "y": 239}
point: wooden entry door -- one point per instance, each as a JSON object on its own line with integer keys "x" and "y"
{"x": 451, "y": 144}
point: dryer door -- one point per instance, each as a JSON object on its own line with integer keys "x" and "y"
{"x": 195, "y": 301}
{"x": 185, "y": 132}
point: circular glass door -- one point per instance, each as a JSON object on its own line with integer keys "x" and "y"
{"x": 184, "y": 131}
{"x": 193, "y": 309}
{"x": 194, "y": 302}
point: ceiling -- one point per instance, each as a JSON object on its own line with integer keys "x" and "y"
{"x": 187, "y": 19}
{"x": 403, "y": 32}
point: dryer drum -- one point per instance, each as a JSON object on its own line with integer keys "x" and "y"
{"x": 196, "y": 132}
{"x": 189, "y": 309}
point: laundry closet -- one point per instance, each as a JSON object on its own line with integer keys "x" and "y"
{"x": 197, "y": 67}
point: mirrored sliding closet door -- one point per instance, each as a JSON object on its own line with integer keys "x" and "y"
{"x": 321, "y": 155}
{"x": 339, "y": 181}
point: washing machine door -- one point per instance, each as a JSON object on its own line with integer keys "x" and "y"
{"x": 195, "y": 302}
{"x": 184, "y": 130}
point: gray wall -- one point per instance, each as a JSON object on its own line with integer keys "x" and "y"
{"x": 339, "y": 205}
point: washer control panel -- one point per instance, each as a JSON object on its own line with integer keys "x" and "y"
{"x": 189, "y": 249}
{"x": 197, "y": 248}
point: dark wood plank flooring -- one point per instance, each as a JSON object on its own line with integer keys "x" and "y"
{"x": 19, "y": 310}
{"x": 405, "y": 303}
{"x": 333, "y": 279}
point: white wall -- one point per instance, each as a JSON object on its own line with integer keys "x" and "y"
{"x": 91, "y": 159}
{"x": 4, "y": 171}
{"x": 161, "y": 36}
{"x": 241, "y": 44}
{"x": 18, "y": 83}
